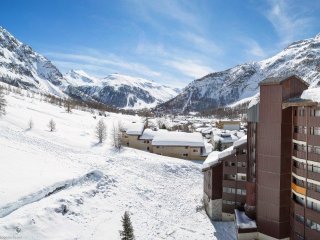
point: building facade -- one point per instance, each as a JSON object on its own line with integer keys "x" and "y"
{"x": 283, "y": 162}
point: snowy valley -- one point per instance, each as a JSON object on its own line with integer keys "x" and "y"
{"x": 63, "y": 185}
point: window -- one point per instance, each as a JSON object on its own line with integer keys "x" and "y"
{"x": 315, "y": 112}
{"x": 300, "y": 129}
{"x": 186, "y": 147}
{"x": 301, "y": 112}
{"x": 299, "y": 147}
{"x": 185, "y": 154}
{"x": 313, "y": 205}
{"x": 315, "y": 131}
{"x": 229, "y": 177}
{"x": 313, "y": 168}
{"x": 158, "y": 146}
{"x": 313, "y": 225}
{"x": 195, "y": 150}
{"x": 241, "y": 192}
{"x": 316, "y": 149}
{"x": 299, "y": 218}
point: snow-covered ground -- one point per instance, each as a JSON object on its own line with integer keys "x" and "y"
{"x": 63, "y": 185}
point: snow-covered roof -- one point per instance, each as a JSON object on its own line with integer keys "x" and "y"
{"x": 149, "y": 134}
{"x": 179, "y": 139}
{"x": 243, "y": 221}
{"x": 240, "y": 141}
{"x": 214, "y": 157}
{"x": 312, "y": 94}
{"x": 225, "y": 137}
{"x": 134, "y": 128}
{"x": 211, "y": 160}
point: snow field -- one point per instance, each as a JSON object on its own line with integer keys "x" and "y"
{"x": 63, "y": 185}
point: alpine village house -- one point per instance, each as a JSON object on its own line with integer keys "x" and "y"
{"x": 269, "y": 182}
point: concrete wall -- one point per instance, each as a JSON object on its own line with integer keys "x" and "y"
{"x": 213, "y": 208}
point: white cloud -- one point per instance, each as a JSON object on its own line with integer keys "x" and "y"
{"x": 189, "y": 68}
{"x": 100, "y": 61}
{"x": 201, "y": 43}
{"x": 288, "y": 20}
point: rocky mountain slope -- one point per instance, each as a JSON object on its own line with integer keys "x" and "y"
{"x": 23, "y": 67}
{"x": 119, "y": 90}
{"x": 222, "y": 88}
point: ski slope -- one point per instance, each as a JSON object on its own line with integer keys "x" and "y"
{"x": 63, "y": 185}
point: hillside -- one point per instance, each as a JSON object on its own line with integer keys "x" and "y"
{"x": 63, "y": 185}
{"x": 219, "y": 89}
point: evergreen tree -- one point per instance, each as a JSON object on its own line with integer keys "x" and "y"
{"x": 3, "y": 102}
{"x": 127, "y": 232}
{"x": 218, "y": 146}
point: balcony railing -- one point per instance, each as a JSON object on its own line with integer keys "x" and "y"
{"x": 298, "y": 189}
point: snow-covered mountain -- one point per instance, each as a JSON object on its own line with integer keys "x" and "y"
{"x": 21, "y": 66}
{"x": 119, "y": 90}
{"x": 222, "y": 88}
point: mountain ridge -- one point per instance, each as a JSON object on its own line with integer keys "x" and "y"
{"x": 21, "y": 66}
{"x": 219, "y": 89}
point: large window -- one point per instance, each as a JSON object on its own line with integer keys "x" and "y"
{"x": 313, "y": 205}
{"x": 315, "y": 131}
{"x": 300, "y": 129}
{"x": 313, "y": 225}
{"x": 315, "y": 112}
{"x": 313, "y": 168}
{"x": 299, "y": 147}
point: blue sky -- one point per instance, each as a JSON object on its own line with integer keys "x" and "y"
{"x": 168, "y": 41}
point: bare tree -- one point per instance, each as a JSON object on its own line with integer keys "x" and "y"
{"x": 117, "y": 135}
{"x": 30, "y": 124}
{"x": 101, "y": 131}
{"x": 52, "y": 125}
{"x": 3, "y": 102}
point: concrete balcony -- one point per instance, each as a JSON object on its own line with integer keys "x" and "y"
{"x": 314, "y": 140}
{"x": 313, "y": 194}
{"x": 299, "y": 154}
{"x": 300, "y": 172}
{"x": 314, "y": 157}
{"x": 314, "y": 176}
{"x": 300, "y": 136}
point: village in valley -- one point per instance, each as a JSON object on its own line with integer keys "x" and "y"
{"x": 160, "y": 120}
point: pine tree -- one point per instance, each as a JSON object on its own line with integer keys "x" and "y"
{"x": 3, "y": 102}
{"x": 218, "y": 146}
{"x": 127, "y": 232}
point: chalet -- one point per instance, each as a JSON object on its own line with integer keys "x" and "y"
{"x": 228, "y": 125}
{"x": 130, "y": 135}
{"x": 226, "y": 138}
{"x": 180, "y": 145}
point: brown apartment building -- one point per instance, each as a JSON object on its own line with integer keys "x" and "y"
{"x": 283, "y": 162}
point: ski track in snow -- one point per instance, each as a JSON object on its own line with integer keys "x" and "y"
{"x": 48, "y": 191}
